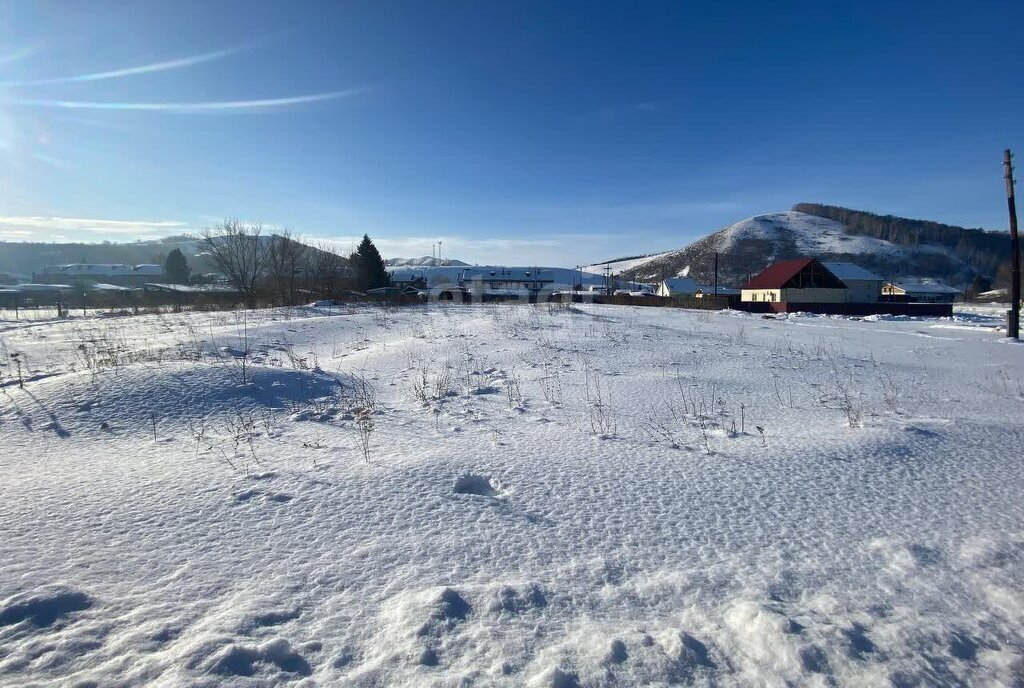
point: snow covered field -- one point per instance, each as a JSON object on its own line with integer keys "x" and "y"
{"x": 511, "y": 495}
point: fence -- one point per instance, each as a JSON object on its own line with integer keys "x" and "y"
{"x": 930, "y": 310}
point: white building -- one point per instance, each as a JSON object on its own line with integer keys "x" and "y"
{"x": 507, "y": 281}
{"x": 678, "y": 286}
{"x": 684, "y": 286}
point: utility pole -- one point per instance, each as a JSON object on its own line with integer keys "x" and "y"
{"x": 1013, "y": 315}
{"x": 716, "y": 273}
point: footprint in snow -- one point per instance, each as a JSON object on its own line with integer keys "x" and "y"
{"x": 480, "y": 485}
{"x": 253, "y": 494}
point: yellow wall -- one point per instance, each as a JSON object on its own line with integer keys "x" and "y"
{"x": 761, "y": 294}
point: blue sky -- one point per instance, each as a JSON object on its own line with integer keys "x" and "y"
{"x": 516, "y": 132}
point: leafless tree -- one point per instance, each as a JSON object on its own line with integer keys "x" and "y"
{"x": 288, "y": 263}
{"x": 325, "y": 269}
{"x": 240, "y": 253}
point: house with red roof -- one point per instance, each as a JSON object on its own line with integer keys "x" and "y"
{"x": 801, "y": 280}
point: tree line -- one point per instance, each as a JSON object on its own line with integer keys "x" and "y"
{"x": 283, "y": 265}
{"x": 984, "y": 251}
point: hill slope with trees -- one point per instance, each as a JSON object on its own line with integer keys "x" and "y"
{"x": 893, "y": 247}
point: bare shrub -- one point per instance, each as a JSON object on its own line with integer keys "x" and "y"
{"x": 240, "y": 357}
{"x": 890, "y": 390}
{"x": 364, "y": 426}
{"x": 841, "y": 393}
{"x": 551, "y": 383}
{"x": 513, "y": 391}
{"x": 433, "y": 385}
{"x": 600, "y": 408}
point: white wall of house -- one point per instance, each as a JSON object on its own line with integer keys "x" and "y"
{"x": 769, "y": 295}
{"x": 818, "y": 295}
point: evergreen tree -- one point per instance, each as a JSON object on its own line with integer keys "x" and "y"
{"x": 369, "y": 266}
{"x": 176, "y": 267}
{"x": 981, "y": 284}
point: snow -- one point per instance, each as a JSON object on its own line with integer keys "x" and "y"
{"x": 551, "y": 496}
{"x": 424, "y": 261}
{"x": 810, "y": 234}
{"x": 618, "y": 266}
{"x": 926, "y": 288}
{"x": 813, "y": 235}
{"x": 851, "y": 271}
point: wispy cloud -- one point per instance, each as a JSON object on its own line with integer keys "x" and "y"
{"x": 16, "y": 55}
{"x": 201, "y": 107}
{"x": 166, "y": 65}
{"x": 59, "y": 163}
{"x": 46, "y": 227}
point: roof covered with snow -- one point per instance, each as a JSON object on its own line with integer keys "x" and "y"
{"x": 33, "y": 286}
{"x": 682, "y": 285}
{"x": 501, "y": 274}
{"x": 851, "y": 271}
{"x": 926, "y": 288}
{"x": 104, "y": 269}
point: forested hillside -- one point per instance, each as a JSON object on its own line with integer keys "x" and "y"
{"x": 30, "y": 256}
{"x": 983, "y": 250}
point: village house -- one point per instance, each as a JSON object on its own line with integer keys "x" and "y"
{"x": 862, "y": 286}
{"x": 801, "y": 280}
{"x": 677, "y": 286}
{"x": 712, "y": 290}
{"x": 409, "y": 278}
{"x": 920, "y": 292}
{"x": 684, "y": 286}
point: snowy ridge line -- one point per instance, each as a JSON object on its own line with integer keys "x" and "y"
{"x": 747, "y": 246}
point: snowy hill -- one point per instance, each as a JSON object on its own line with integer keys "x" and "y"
{"x": 626, "y": 264}
{"x": 747, "y": 246}
{"x": 425, "y": 261}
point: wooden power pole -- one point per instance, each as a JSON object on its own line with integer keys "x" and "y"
{"x": 1013, "y": 315}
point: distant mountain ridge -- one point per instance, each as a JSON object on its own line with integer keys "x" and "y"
{"x": 425, "y": 261}
{"x": 28, "y": 257}
{"x": 890, "y": 246}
